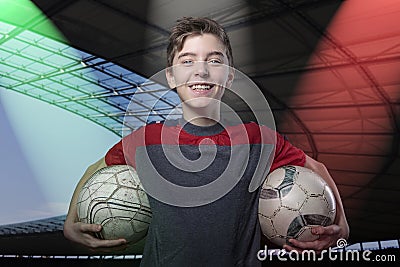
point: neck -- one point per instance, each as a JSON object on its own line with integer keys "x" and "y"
{"x": 201, "y": 116}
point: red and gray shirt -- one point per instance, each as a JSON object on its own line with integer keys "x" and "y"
{"x": 221, "y": 232}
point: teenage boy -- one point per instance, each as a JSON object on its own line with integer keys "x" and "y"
{"x": 217, "y": 232}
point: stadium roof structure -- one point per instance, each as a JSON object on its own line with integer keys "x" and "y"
{"x": 79, "y": 82}
{"x": 330, "y": 70}
{"x": 45, "y": 237}
{"x": 34, "y": 227}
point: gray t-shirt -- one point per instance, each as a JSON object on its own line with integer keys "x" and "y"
{"x": 222, "y": 233}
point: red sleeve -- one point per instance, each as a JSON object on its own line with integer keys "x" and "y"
{"x": 287, "y": 154}
{"x": 115, "y": 156}
{"x": 123, "y": 152}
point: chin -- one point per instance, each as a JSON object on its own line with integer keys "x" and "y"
{"x": 202, "y": 102}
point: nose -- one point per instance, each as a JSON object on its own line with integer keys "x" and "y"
{"x": 201, "y": 69}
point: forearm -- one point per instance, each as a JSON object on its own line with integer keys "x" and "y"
{"x": 72, "y": 212}
{"x": 340, "y": 219}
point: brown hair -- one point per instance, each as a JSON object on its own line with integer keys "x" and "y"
{"x": 188, "y": 26}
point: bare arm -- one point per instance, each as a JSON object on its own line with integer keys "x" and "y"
{"x": 320, "y": 169}
{"x": 330, "y": 234}
{"x": 72, "y": 215}
{"x": 82, "y": 233}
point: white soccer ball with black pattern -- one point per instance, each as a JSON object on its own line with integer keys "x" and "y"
{"x": 294, "y": 199}
{"x": 114, "y": 197}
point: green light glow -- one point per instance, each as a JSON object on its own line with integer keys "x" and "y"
{"x": 53, "y": 147}
{"x": 24, "y": 14}
{"x": 37, "y": 62}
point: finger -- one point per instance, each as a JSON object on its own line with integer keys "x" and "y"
{"x": 100, "y": 243}
{"x": 291, "y": 248}
{"x": 301, "y": 244}
{"x": 112, "y": 243}
{"x": 314, "y": 245}
{"x": 317, "y": 230}
{"x": 327, "y": 230}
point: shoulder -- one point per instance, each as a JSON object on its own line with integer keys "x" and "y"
{"x": 148, "y": 128}
{"x": 154, "y": 133}
{"x": 255, "y": 133}
{"x": 154, "y": 124}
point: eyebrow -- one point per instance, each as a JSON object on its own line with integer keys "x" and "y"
{"x": 212, "y": 53}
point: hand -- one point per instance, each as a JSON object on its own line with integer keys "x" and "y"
{"x": 83, "y": 233}
{"x": 328, "y": 237}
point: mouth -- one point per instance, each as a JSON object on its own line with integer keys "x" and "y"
{"x": 201, "y": 87}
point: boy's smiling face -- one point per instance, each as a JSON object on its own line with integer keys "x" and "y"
{"x": 200, "y": 71}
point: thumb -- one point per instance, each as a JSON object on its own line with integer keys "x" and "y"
{"x": 318, "y": 230}
{"x": 90, "y": 227}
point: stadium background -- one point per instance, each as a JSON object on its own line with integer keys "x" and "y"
{"x": 330, "y": 70}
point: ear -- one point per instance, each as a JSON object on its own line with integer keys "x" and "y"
{"x": 170, "y": 78}
{"x": 231, "y": 77}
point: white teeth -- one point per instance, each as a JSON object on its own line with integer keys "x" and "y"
{"x": 201, "y": 87}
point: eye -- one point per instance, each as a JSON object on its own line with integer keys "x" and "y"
{"x": 187, "y": 62}
{"x": 215, "y": 61}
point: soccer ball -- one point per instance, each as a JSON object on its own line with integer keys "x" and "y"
{"x": 114, "y": 197}
{"x": 293, "y": 200}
